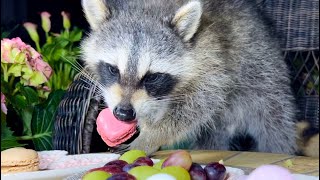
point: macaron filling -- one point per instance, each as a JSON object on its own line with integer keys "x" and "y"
{"x": 113, "y": 131}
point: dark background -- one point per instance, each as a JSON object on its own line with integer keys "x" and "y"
{"x": 16, "y": 12}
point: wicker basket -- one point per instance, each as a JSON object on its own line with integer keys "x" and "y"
{"x": 295, "y": 21}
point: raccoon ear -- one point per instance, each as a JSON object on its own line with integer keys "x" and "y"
{"x": 96, "y": 11}
{"x": 187, "y": 19}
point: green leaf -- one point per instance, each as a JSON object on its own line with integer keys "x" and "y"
{"x": 4, "y": 85}
{"x": 26, "y": 116}
{"x": 75, "y": 35}
{"x": 49, "y": 49}
{"x": 30, "y": 94}
{"x": 58, "y": 53}
{"x": 61, "y": 42}
{"x": 24, "y": 110}
{"x": 5, "y": 34}
{"x": 43, "y": 119}
{"x": 19, "y": 102}
{"x": 7, "y": 138}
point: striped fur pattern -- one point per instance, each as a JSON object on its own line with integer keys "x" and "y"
{"x": 209, "y": 71}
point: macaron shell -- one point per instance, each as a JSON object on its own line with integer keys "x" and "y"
{"x": 113, "y": 131}
{"x": 15, "y": 169}
{"x": 270, "y": 172}
{"x": 18, "y": 157}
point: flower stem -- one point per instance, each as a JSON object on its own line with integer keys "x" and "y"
{"x": 25, "y": 138}
{"x": 5, "y": 70}
{"x": 38, "y": 47}
{"x": 15, "y": 91}
{"x": 11, "y": 81}
{"x": 28, "y": 137}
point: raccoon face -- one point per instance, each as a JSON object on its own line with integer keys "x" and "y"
{"x": 141, "y": 62}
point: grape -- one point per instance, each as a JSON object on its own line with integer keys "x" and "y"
{"x": 144, "y": 161}
{"x": 179, "y": 158}
{"x": 143, "y": 172}
{"x": 127, "y": 167}
{"x": 119, "y": 163}
{"x": 158, "y": 165}
{"x": 215, "y": 171}
{"x": 132, "y": 155}
{"x": 176, "y": 171}
{"x": 161, "y": 176}
{"x": 112, "y": 169}
{"x": 96, "y": 175}
{"x": 122, "y": 176}
{"x": 197, "y": 172}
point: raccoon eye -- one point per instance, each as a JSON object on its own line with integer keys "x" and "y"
{"x": 152, "y": 78}
{"x": 113, "y": 70}
{"x": 159, "y": 84}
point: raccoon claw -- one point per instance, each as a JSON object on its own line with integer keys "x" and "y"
{"x": 120, "y": 149}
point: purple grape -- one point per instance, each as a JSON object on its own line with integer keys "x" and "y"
{"x": 122, "y": 176}
{"x": 112, "y": 169}
{"x": 144, "y": 161}
{"x": 197, "y": 172}
{"x": 215, "y": 171}
{"x": 119, "y": 163}
{"x": 127, "y": 167}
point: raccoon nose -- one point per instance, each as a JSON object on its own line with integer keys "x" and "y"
{"x": 124, "y": 113}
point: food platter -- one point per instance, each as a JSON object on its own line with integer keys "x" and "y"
{"x": 77, "y": 172}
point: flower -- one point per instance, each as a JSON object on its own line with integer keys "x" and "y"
{"x": 39, "y": 65}
{"x": 25, "y": 62}
{"x": 32, "y": 31}
{"x": 45, "y": 21}
{"x": 46, "y": 89}
{"x": 11, "y": 50}
{"x": 3, "y": 104}
{"x": 66, "y": 20}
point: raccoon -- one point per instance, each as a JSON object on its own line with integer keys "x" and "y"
{"x": 209, "y": 72}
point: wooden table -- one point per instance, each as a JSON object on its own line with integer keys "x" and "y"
{"x": 248, "y": 161}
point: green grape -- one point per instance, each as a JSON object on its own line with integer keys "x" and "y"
{"x": 158, "y": 165}
{"x": 176, "y": 171}
{"x": 143, "y": 172}
{"x": 132, "y": 155}
{"x": 96, "y": 175}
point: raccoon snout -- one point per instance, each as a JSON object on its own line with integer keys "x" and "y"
{"x": 124, "y": 113}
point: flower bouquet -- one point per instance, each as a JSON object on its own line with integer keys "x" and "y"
{"x": 33, "y": 81}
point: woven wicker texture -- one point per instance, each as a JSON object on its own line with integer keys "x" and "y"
{"x": 69, "y": 132}
{"x": 296, "y": 21}
{"x": 305, "y": 75}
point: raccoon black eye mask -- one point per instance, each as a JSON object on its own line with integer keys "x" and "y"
{"x": 159, "y": 84}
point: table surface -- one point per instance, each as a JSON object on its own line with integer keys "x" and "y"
{"x": 248, "y": 161}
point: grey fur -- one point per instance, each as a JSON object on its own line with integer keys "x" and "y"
{"x": 232, "y": 78}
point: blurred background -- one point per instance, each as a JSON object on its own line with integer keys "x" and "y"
{"x": 15, "y": 12}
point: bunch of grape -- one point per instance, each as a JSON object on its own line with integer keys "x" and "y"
{"x": 135, "y": 165}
